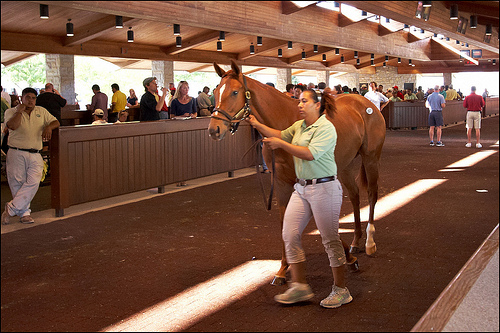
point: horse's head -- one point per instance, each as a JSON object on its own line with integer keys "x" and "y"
{"x": 231, "y": 102}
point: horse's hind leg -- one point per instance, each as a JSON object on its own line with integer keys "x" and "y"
{"x": 371, "y": 169}
{"x": 348, "y": 179}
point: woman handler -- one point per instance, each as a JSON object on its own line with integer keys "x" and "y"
{"x": 317, "y": 193}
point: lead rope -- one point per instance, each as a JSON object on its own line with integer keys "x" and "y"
{"x": 256, "y": 144}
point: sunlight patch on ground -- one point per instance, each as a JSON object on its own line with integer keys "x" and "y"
{"x": 470, "y": 160}
{"x": 185, "y": 309}
{"x": 392, "y": 202}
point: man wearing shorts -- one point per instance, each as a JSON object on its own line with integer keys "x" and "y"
{"x": 474, "y": 104}
{"x": 436, "y": 103}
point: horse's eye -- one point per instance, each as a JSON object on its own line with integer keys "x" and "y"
{"x": 235, "y": 93}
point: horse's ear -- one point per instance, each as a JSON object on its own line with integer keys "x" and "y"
{"x": 235, "y": 68}
{"x": 219, "y": 70}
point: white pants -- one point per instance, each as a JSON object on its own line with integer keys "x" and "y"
{"x": 323, "y": 201}
{"x": 24, "y": 172}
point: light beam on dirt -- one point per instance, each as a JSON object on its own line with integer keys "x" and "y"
{"x": 470, "y": 160}
{"x": 392, "y": 202}
{"x": 185, "y": 309}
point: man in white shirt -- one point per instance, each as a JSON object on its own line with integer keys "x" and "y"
{"x": 376, "y": 97}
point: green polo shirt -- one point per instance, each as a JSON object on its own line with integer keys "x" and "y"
{"x": 320, "y": 138}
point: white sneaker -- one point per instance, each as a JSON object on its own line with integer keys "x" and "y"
{"x": 478, "y": 145}
{"x": 468, "y": 145}
{"x": 296, "y": 293}
{"x": 337, "y": 297}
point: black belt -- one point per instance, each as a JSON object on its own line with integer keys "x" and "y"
{"x": 33, "y": 151}
{"x": 437, "y": 110}
{"x": 305, "y": 182}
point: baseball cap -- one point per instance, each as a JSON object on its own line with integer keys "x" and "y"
{"x": 396, "y": 87}
{"x": 148, "y": 80}
{"x": 363, "y": 86}
{"x": 98, "y": 112}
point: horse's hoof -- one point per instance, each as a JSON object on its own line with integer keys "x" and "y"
{"x": 371, "y": 249}
{"x": 354, "y": 266}
{"x": 278, "y": 281}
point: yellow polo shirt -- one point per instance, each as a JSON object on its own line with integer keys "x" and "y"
{"x": 121, "y": 101}
{"x": 29, "y": 134}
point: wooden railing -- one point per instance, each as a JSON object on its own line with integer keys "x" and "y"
{"x": 415, "y": 114}
{"x": 94, "y": 162}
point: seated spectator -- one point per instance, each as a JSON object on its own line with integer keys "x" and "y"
{"x": 396, "y": 92}
{"x": 99, "y": 117}
{"x": 132, "y": 100}
{"x": 410, "y": 96}
{"x": 204, "y": 103}
{"x": 355, "y": 91}
{"x": 183, "y": 105}
{"x": 122, "y": 117}
{"x": 345, "y": 89}
{"x": 395, "y": 98}
{"x": 420, "y": 94}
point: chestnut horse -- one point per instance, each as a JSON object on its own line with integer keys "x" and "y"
{"x": 360, "y": 131}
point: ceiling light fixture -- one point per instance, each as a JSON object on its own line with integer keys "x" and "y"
{"x": 280, "y": 53}
{"x": 372, "y": 56}
{"x": 315, "y": 48}
{"x": 178, "y": 41}
{"x": 259, "y": 41}
{"x": 473, "y": 21}
{"x": 342, "y": 59}
{"x": 494, "y": 62}
{"x": 219, "y": 45}
{"x": 44, "y": 11}
{"x": 337, "y": 51}
{"x": 385, "y": 64}
{"x": 386, "y": 58}
{"x": 289, "y": 45}
{"x": 488, "y": 29}
{"x": 118, "y": 22}
{"x": 372, "y": 63}
{"x": 355, "y": 54}
{"x": 399, "y": 60}
{"x": 454, "y": 12}
{"x": 303, "y": 54}
{"x": 458, "y": 42}
{"x": 177, "y": 29}
{"x": 130, "y": 35}
{"x": 69, "y": 28}
{"x": 427, "y": 3}
{"x": 222, "y": 36}
{"x": 252, "y": 49}
{"x": 358, "y": 62}
{"x": 409, "y": 62}
{"x": 422, "y": 31}
{"x": 447, "y": 39}
{"x": 324, "y": 57}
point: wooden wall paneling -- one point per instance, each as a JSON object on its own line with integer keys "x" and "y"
{"x": 130, "y": 162}
{"x": 109, "y": 167}
{"x": 99, "y": 170}
{"x": 124, "y": 165}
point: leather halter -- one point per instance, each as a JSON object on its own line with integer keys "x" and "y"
{"x": 235, "y": 120}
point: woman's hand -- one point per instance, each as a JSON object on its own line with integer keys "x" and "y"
{"x": 251, "y": 119}
{"x": 273, "y": 142}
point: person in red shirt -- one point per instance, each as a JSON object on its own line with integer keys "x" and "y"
{"x": 395, "y": 91}
{"x": 474, "y": 104}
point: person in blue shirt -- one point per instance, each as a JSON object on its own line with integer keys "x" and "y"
{"x": 436, "y": 102}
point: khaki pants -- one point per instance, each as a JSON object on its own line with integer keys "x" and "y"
{"x": 204, "y": 112}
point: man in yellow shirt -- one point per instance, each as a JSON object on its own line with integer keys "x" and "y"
{"x": 118, "y": 101}
{"x": 451, "y": 93}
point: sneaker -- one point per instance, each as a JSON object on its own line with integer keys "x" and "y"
{"x": 478, "y": 145}
{"x": 439, "y": 144}
{"x": 468, "y": 145}
{"x": 27, "y": 219}
{"x": 432, "y": 143}
{"x": 337, "y": 297}
{"x": 298, "y": 292}
{"x": 5, "y": 216}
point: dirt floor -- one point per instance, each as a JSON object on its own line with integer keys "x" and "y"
{"x": 88, "y": 272}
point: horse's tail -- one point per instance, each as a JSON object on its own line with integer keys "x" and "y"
{"x": 362, "y": 179}
{"x": 328, "y": 105}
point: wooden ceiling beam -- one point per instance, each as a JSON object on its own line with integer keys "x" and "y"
{"x": 199, "y": 68}
{"x": 195, "y": 41}
{"x": 17, "y": 59}
{"x": 309, "y": 53}
{"x": 267, "y": 45}
{"x": 254, "y": 70}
